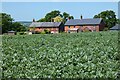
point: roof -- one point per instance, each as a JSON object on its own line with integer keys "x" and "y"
{"x": 116, "y": 27}
{"x": 72, "y": 22}
{"x": 11, "y": 31}
{"x": 45, "y": 24}
{"x": 84, "y": 21}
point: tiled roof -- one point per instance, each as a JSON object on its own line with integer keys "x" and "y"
{"x": 84, "y": 21}
{"x": 72, "y": 22}
{"x": 11, "y": 31}
{"x": 116, "y": 27}
{"x": 45, "y": 24}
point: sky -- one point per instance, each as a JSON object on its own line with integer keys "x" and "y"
{"x": 60, "y": 0}
{"x": 26, "y": 11}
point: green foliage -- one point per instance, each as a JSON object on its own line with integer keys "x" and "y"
{"x": 71, "y": 17}
{"x": 42, "y": 20}
{"x": 78, "y": 55}
{"x": 21, "y": 33}
{"x": 5, "y": 22}
{"x": 53, "y": 14}
{"x": 106, "y": 29}
{"x": 42, "y": 32}
{"x": 87, "y": 30}
{"x": 58, "y": 19}
{"x": 109, "y": 17}
{"x": 8, "y": 25}
{"x": 16, "y": 26}
{"x": 47, "y": 31}
{"x": 118, "y": 21}
{"x": 66, "y": 16}
{"x": 36, "y": 32}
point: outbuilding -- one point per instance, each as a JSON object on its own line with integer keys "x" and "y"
{"x": 116, "y": 27}
{"x": 11, "y": 32}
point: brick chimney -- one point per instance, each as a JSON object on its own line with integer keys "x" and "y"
{"x": 33, "y": 20}
{"x": 81, "y": 17}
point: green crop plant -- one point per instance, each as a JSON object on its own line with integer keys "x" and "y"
{"x": 77, "y": 55}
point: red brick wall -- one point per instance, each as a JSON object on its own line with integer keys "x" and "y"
{"x": 77, "y": 26}
{"x": 66, "y": 28}
{"x": 90, "y": 28}
{"x": 42, "y": 29}
{"x": 84, "y": 28}
{"x": 72, "y": 27}
{"x": 97, "y": 28}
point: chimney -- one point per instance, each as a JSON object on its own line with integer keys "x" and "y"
{"x": 33, "y": 20}
{"x": 81, "y": 17}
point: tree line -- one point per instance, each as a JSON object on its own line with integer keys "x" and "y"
{"x": 7, "y": 24}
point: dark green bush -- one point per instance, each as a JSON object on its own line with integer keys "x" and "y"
{"x": 105, "y": 29}
{"x": 47, "y": 31}
{"x": 21, "y": 33}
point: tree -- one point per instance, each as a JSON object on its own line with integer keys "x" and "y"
{"x": 118, "y": 21}
{"x": 5, "y": 22}
{"x": 71, "y": 17}
{"x": 42, "y": 20}
{"x": 109, "y": 17}
{"x": 53, "y": 14}
{"x": 66, "y": 16}
{"x": 16, "y": 26}
{"x": 58, "y": 19}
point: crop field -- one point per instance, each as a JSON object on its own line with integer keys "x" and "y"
{"x": 84, "y": 55}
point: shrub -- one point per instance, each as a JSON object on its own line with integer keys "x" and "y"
{"x": 37, "y": 32}
{"x": 42, "y": 32}
{"x": 21, "y": 33}
{"x": 47, "y": 31}
{"x": 105, "y": 29}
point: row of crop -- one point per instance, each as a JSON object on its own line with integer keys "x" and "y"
{"x": 85, "y": 55}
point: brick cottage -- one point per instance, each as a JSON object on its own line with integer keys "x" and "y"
{"x": 82, "y": 25}
{"x": 53, "y": 27}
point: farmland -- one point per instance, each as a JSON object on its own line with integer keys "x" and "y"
{"x": 78, "y": 55}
